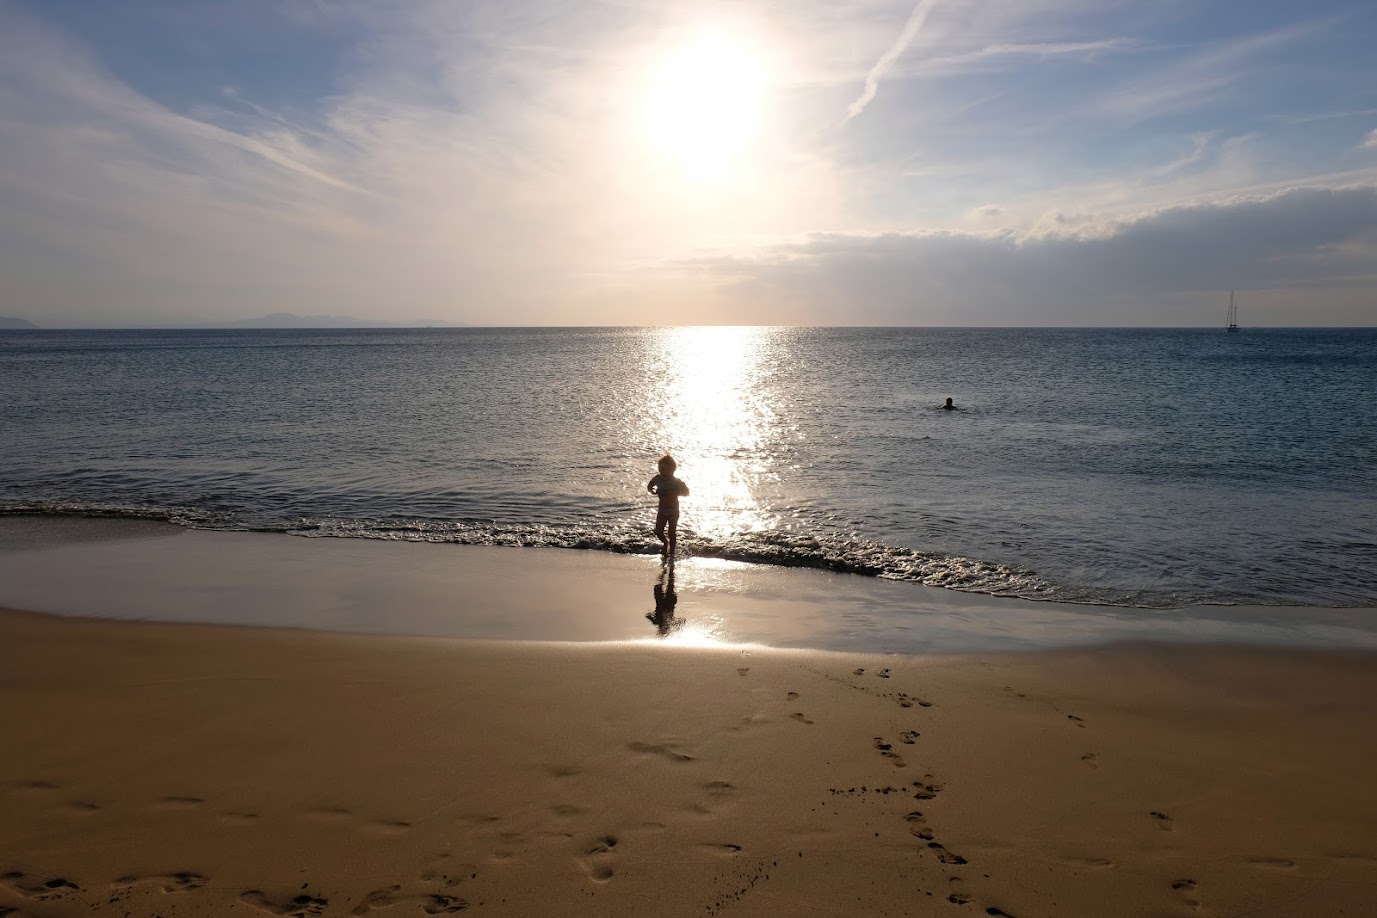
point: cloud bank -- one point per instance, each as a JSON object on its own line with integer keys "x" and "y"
{"x": 1310, "y": 242}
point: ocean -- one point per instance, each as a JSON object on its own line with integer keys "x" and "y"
{"x": 1150, "y": 468}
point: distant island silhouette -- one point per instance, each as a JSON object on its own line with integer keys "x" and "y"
{"x": 292, "y": 320}
{"x": 272, "y": 320}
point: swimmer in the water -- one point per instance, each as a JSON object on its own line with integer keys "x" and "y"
{"x": 949, "y": 406}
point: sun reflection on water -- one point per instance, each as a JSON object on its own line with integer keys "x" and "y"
{"x": 711, "y": 406}
{"x": 696, "y": 634}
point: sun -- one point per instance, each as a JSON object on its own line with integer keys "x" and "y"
{"x": 703, "y": 106}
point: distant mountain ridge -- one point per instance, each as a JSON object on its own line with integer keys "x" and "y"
{"x": 16, "y": 323}
{"x": 292, "y": 320}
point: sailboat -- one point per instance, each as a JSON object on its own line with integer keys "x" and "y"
{"x": 1233, "y": 314}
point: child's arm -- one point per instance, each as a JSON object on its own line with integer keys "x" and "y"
{"x": 651, "y": 485}
{"x": 683, "y": 489}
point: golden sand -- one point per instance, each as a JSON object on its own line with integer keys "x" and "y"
{"x": 198, "y": 770}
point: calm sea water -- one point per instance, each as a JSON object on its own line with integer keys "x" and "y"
{"x": 1134, "y": 467}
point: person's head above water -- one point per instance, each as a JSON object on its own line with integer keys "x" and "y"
{"x": 667, "y": 464}
{"x": 948, "y": 404}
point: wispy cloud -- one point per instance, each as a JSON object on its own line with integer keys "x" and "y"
{"x": 892, "y": 54}
{"x": 1312, "y": 117}
{"x": 1200, "y": 78}
{"x": 1085, "y": 49}
{"x": 1370, "y": 142}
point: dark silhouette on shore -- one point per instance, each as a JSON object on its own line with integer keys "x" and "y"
{"x": 666, "y": 599}
{"x": 669, "y": 489}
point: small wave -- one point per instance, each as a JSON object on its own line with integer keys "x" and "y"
{"x": 780, "y": 549}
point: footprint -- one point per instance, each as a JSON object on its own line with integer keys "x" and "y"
{"x": 909, "y": 736}
{"x": 886, "y": 750}
{"x": 926, "y": 789}
{"x": 884, "y": 673}
{"x": 726, "y": 849}
{"x": 83, "y": 806}
{"x": 563, "y": 771}
{"x": 183, "y": 881}
{"x": 1187, "y": 889}
{"x": 959, "y": 895}
{"x": 905, "y": 700}
{"x": 445, "y": 905}
{"x": 603, "y": 845}
{"x": 300, "y": 906}
{"x": 858, "y": 672}
{"x": 32, "y": 887}
{"x": 1272, "y": 863}
{"x": 1164, "y": 822}
{"x": 918, "y": 825}
{"x": 390, "y": 826}
{"x": 1091, "y": 760}
{"x": 665, "y": 750}
{"x": 742, "y": 670}
{"x": 598, "y": 857}
{"x": 179, "y": 802}
{"x": 1076, "y": 720}
{"x": 378, "y": 898}
{"x": 944, "y": 855}
{"x": 718, "y": 792}
{"x": 791, "y": 696}
{"x": 567, "y": 809}
{"x": 1096, "y": 863}
{"x": 800, "y": 718}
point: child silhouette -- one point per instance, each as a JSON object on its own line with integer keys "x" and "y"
{"x": 669, "y": 489}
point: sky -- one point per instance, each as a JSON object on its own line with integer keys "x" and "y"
{"x": 816, "y": 162}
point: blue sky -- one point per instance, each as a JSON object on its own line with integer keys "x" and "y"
{"x": 950, "y": 162}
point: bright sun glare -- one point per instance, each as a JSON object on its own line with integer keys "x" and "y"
{"x": 703, "y": 106}
{"x": 716, "y": 414}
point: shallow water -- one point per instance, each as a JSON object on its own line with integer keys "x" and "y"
{"x": 1150, "y": 468}
{"x": 152, "y": 571}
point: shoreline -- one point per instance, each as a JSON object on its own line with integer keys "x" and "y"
{"x": 155, "y": 571}
{"x": 179, "y": 769}
{"x": 948, "y": 573}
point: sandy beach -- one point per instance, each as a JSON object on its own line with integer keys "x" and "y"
{"x": 175, "y": 769}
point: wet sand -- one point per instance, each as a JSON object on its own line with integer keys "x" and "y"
{"x": 181, "y": 769}
{"x": 145, "y": 570}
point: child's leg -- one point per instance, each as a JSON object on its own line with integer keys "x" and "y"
{"x": 660, "y": 520}
{"x": 673, "y": 533}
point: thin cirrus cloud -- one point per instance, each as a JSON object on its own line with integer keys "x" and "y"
{"x": 950, "y": 162}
